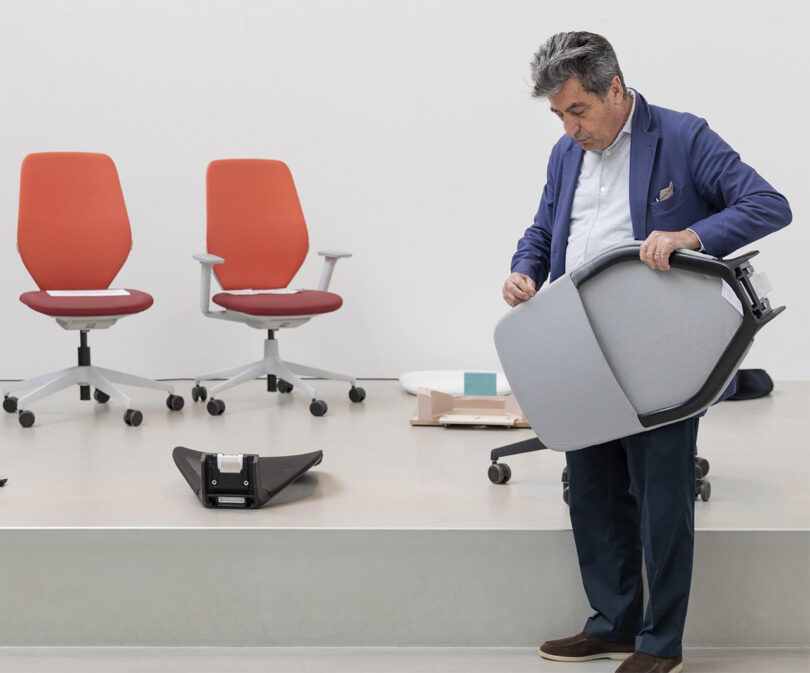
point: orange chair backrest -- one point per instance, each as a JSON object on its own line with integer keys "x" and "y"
{"x": 73, "y": 231}
{"x": 255, "y": 223}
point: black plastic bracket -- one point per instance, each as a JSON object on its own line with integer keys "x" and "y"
{"x": 240, "y": 481}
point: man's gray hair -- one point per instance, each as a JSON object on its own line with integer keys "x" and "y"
{"x": 586, "y": 56}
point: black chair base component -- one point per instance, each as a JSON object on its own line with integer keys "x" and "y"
{"x": 357, "y": 394}
{"x": 100, "y": 396}
{"x": 10, "y": 404}
{"x": 703, "y": 489}
{"x": 133, "y": 417}
{"x": 26, "y": 418}
{"x": 175, "y": 402}
{"x": 501, "y": 473}
{"x": 284, "y": 386}
{"x": 240, "y": 481}
{"x": 318, "y": 408}
{"x": 199, "y": 393}
{"x": 215, "y": 407}
{"x": 3, "y": 481}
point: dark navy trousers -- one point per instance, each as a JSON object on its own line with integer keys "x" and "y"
{"x": 625, "y": 496}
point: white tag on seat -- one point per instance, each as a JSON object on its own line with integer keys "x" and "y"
{"x": 282, "y": 290}
{"x": 88, "y": 293}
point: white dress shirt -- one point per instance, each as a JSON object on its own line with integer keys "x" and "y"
{"x": 600, "y": 213}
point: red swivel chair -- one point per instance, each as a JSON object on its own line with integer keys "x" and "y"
{"x": 73, "y": 236}
{"x": 257, "y": 238}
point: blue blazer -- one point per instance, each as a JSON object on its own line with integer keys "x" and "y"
{"x": 724, "y": 201}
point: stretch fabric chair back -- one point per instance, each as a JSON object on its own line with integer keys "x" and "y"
{"x": 73, "y": 231}
{"x": 614, "y": 348}
{"x": 255, "y": 223}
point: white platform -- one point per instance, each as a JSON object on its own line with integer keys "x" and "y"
{"x": 396, "y": 539}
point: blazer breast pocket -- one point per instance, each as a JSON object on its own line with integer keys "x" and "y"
{"x": 667, "y": 205}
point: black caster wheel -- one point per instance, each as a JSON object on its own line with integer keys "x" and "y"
{"x": 133, "y": 417}
{"x": 26, "y": 418}
{"x": 284, "y": 386}
{"x": 3, "y": 481}
{"x": 10, "y": 404}
{"x": 199, "y": 393}
{"x": 215, "y": 407}
{"x": 100, "y": 396}
{"x": 175, "y": 402}
{"x": 357, "y": 394}
{"x": 704, "y": 490}
{"x": 565, "y": 475}
{"x": 317, "y": 408}
{"x": 565, "y": 494}
{"x": 703, "y": 464}
{"x": 499, "y": 473}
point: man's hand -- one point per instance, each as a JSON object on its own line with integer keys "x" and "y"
{"x": 518, "y": 288}
{"x": 655, "y": 251}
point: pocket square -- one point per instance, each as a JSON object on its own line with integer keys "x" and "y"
{"x": 666, "y": 192}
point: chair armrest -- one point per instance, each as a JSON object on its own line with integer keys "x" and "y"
{"x": 330, "y": 259}
{"x": 205, "y": 258}
{"x": 206, "y": 265}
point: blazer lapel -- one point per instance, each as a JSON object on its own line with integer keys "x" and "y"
{"x": 643, "y": 146}
{"x": 572, "y": 160}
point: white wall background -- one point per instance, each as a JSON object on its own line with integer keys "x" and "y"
{"x": 413, "y": 139}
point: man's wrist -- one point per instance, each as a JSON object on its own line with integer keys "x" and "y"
{"x": 693, "y": 241}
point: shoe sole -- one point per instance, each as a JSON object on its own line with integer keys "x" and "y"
{"x": 616, "y": 656}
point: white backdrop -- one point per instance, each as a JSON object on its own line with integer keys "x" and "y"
{"x": 414, "y": 141}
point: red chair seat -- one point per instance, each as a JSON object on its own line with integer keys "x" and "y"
{"x": 41, "y": 301}
{"x": 304, "y": 302}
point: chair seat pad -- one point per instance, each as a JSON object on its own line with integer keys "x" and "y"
{"x": 80, "y": 306}
{"x": 303, "y": 302}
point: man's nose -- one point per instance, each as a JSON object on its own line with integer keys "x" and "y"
{"x": 571, "y": 126}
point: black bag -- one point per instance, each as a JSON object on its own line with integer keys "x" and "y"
{"x": 752, "y": 383}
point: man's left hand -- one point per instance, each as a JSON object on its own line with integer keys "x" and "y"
{"x": 655, "y": 251}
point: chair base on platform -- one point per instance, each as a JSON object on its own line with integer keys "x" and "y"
{"x": 84, "y": 375}
{"x": 282, "y": 376}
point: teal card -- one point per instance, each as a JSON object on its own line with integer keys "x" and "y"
{"x": 479, "y": 383}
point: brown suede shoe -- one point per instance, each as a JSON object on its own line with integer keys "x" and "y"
{"x": 641, "y": 662}
{"x": 583, "y": 647}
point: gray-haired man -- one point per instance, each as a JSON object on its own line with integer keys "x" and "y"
{"x": 626, "y": 169}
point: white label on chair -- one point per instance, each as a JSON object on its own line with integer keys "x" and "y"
{"x": 730, "y": 297}
{"x": 88, "y": 293}
{"x": 762, "y": 286}
{"x": 282, "y": 290}
{"x": 229, "y": 463}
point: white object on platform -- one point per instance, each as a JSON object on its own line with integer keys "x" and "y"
{"x": 88, "y": 293}
{"x": 449, "y": 381}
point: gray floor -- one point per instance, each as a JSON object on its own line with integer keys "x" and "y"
{"x": 80, "y": 466}
{"x": 368, "y": 660}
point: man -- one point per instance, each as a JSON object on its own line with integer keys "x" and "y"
{"x": 626, "y": 169}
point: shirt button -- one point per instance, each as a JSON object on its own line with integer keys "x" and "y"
{"x": 603, "y": 189}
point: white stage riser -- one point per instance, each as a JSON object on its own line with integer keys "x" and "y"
{"x": 460, "y": 588}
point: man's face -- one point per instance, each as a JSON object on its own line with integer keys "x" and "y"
{"x": 592, "y": 121}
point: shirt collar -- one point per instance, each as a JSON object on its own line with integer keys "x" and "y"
{"x": 628, "y": 125}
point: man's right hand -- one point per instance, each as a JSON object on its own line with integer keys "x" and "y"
{"x": 518, "y": 288}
